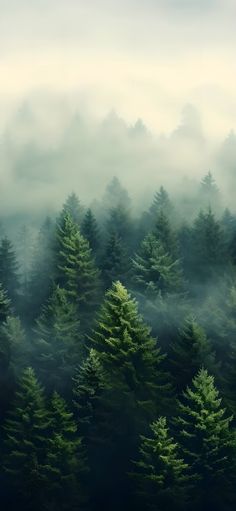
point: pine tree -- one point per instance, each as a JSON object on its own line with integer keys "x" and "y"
{"x": 42, "y": 269}
{"x": 57, "y": 346}
{"x": 115, "y": 195}
{"x": 208, "y": 248}
{"x": 73, "y": 208}
{"x": 208, "y": 444}
{"x": 161, "y": 204}
{"x": 92, "y": 413}
{"x": 163, "y": 232}
{"x": 25, "y": 444}
{"x": 119, "y": 222}
{"x": 90, "y": 230}
{"x": 65, "y": 463}
{"x": 189, "y": 352}
{"x": 8, "y": 269}
{"x": 115, "y": 261}
{"x": 155, "y": 271}
{"x": 132, "y": 361}
{"x": 161, "y": 478}
{"x": 209, "y": 192}
{"x": 5, "y": 305}
{"x": 77, "y": 271}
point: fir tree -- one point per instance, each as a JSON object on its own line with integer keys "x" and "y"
{"x": 73, "y": 208}
{"x": 161, "y": 478}
{"x": 42, "y": 269}
{"x": 115, "y": 195}
{"x": 208, "y": 444}
{"x": 119, "y": 222}
{"x": 58, "y": 343}
{"x": 209, "y": 192}
{"x": 8, "y": 269}
{"x": 208, "y": 247}
{"x": 92, "y": 413}
{"x": 115, "y": 262}
{"x": 90, "y": 230}
{"x": 189, "y": 352}
{"x": 161, "y": 204}
{"x": 65, "y": 465}
{"x": 26, "y": 443}
{"x": 155, "y": 271}
{"x": 77, "y": 270}
{"x": 138, "y": 389}
{"x": 163, "y": 232}
{"x": 5, "y": 305}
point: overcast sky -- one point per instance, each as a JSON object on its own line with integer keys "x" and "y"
{"x": 145, "y": 58}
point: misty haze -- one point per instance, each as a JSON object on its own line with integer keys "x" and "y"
{"x": 118, "y": 255}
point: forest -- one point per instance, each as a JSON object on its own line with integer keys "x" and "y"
{"x": 118, "y": 354}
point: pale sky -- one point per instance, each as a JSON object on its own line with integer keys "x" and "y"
{"x": 144, "y": 58}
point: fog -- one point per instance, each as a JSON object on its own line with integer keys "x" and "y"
{"x": 144, "y": 91}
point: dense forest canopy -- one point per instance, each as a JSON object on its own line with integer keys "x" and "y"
{"x": 118, "y": 353}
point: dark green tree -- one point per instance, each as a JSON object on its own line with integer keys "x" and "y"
{"x": 154, "y": 269}
{"x": 132, "y": 361}
{"x": 160, "y": 476}
{"x": 161, "y": 204}
{"x": 73, "y": 208}
{"x": 90, "y": 231}
{"x": 42, "y": 269}
{"x": 115, "y": 262}
{"x": 25, "y": 445}
{"x": 76, "y": 270}
{"x": 57, "y": 345}
{"x": 5, "y": 305}
{"x": 209, "y": 257}
{"x": 163, "y": 232}
{"x": 189, "y": 352}
{"x": 9, "y": 269}
{"x": 65, "y": 463}
{"x": 208, "y": 444}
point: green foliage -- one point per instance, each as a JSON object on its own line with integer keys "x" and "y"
{"x": 9, "y": 269}
{"x": 154, "y": 269}
{"x": 90, "y": 230}
{"x": 73, "y": 208}
{"x": 189, "y": 352}
{"x": 161, "y": 474}
{"x": 58, "y": 342}
{"x": 5, "y": 305}
{"x": 65, "y": 462}
{"x": 161, "y": 204}
{"x": 208, "y": 443}
{"x": 77, "y": 271}
{"x": 25, "y": 443}
{"x": 115, "y": 261}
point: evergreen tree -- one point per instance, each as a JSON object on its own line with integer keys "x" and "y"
{"x": 5, "y": 305}
{"x": 163, "y": 232}
{"x": 42, "y": 269}
{"x": 161, "y": 477}
{"x": 208, "y": 248}
{"x": 8, "y": 269}
{"x": 73, "y": 208}
{"x": 115, "y": 195}
{"x": 90, "y": 230}
{"x": 25, "y": 444}
{"x": 58, "y": 343}
{"x": 209, "y": 192}
{"x": 115, "y": 261}
{"x": 119, "y": 222}
{"x": 208, "y": 444}
{"x": 64, "y": 461}
{"x": 92, "y": 418}
{"x": 155, "y": 271}
{"x": 161, "y": 204}
{"x": 189, "y": 352}
{"x": 132, "y": 361}
{"x": 77, "y": 271}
